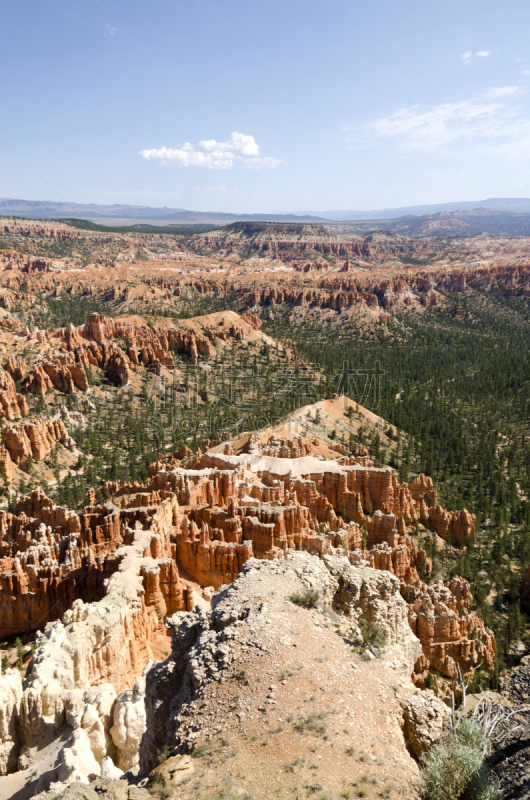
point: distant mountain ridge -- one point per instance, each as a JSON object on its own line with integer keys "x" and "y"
{"x": 47, "y": 209}
{"x": 501, "y": 216}
{"x": 471, "y": 222}
{"x": 519, "y": 205}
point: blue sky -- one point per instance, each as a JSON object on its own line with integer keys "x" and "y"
{"x": 265, "y": 106}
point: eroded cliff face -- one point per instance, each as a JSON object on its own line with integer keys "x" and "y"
{"x": 345, "y": 286}
{"x": 34, "y": 440}
{"x": 52, "y": 557}
{"x": 84, "y": 681}
{"x": 451, "y": 634}
{"x": 234, "y": 507}
{"x": 289, "y": 241}
{"x": 103, "y": 583}
{"x": 119, "y": 347}
{"x": 12, "y": 404}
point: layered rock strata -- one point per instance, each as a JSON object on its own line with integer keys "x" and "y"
{"x": 234, "y": 507}
{"x": 34, "y": 440}
{"x": 85, "y": 675}
{"x": 451, "y": 634}
{"x": 119, "y": 347}
{"x": 52, "y": 557}
{"x": 13, "y": 405}
{"x": 105, "y": 581}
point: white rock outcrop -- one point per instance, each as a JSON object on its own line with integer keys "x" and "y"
{"x": 10, "y": 698}
{"x": 79, "y": 666}
{"x": 362, "y": 593}
{"x": 426, "y": 719}
{"x": 129, "y": 726}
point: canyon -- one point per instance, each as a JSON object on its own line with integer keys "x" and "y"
{"x": 265, "y": 264}
{"x": 236, "y": 562}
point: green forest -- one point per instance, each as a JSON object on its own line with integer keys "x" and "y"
{"x": 456, "y": 384}
{"x": 453, "y": 379}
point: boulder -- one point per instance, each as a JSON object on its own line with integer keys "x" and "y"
{"x": 425, "y": 719}
{"x": 172, "y": 772}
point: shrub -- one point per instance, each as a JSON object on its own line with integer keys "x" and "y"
{"x": 315, "y": 723}
{"x": 163, "y": 755}
{"x": 308, "y": 599}
{"x": 373, "y": 634}
{"x": 430, "y": 682}
{"x": 204, "y": 749}
{"x": 455, "y": 768}
{"x": 161, "y": 786}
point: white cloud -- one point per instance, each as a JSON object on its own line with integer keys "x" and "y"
{"x": 188, "y": 156}
{"x": 491, "y": 121}
{"x": 263, "y": 162}
{"x": 525, "y": 72}
{"x": 214, "y": 189}
{"x": 212, "y": 154}
{"x": 501, "y": 91}
{"x": 468, "y": 57}
{"x": 438, "y": 126}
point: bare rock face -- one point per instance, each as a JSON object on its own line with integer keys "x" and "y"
{"x": 172, "y": 772}
{"x": 10, "y": 698}
{"x": 99, "y": 343}
{"x": 12, "y": 404}
{"x": 255, "y": 521}
{"x": 236, "y": 507}
{"x": 458, "y": 525}
{"x": 77, "y": 762}
{"x": 426, "y": 719}
{"x": 450, "y": 633}
{"x": 7, "y": 470}
{"x": 392, "y": 549}
{"x": 85, "y": 670}
{"x": 281, "y": 447}
{"x": 104, "y": 642}
{"x": 129, "y": 726}
{"x": 374, "y": 596}
{"x": 53, "y": 557}
{"x": 36, "y": 439}
{"x": 422, "y": 487}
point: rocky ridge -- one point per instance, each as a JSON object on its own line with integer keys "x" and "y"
{"x": 253, "y": 637}
{"x": 306, "y": 267}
